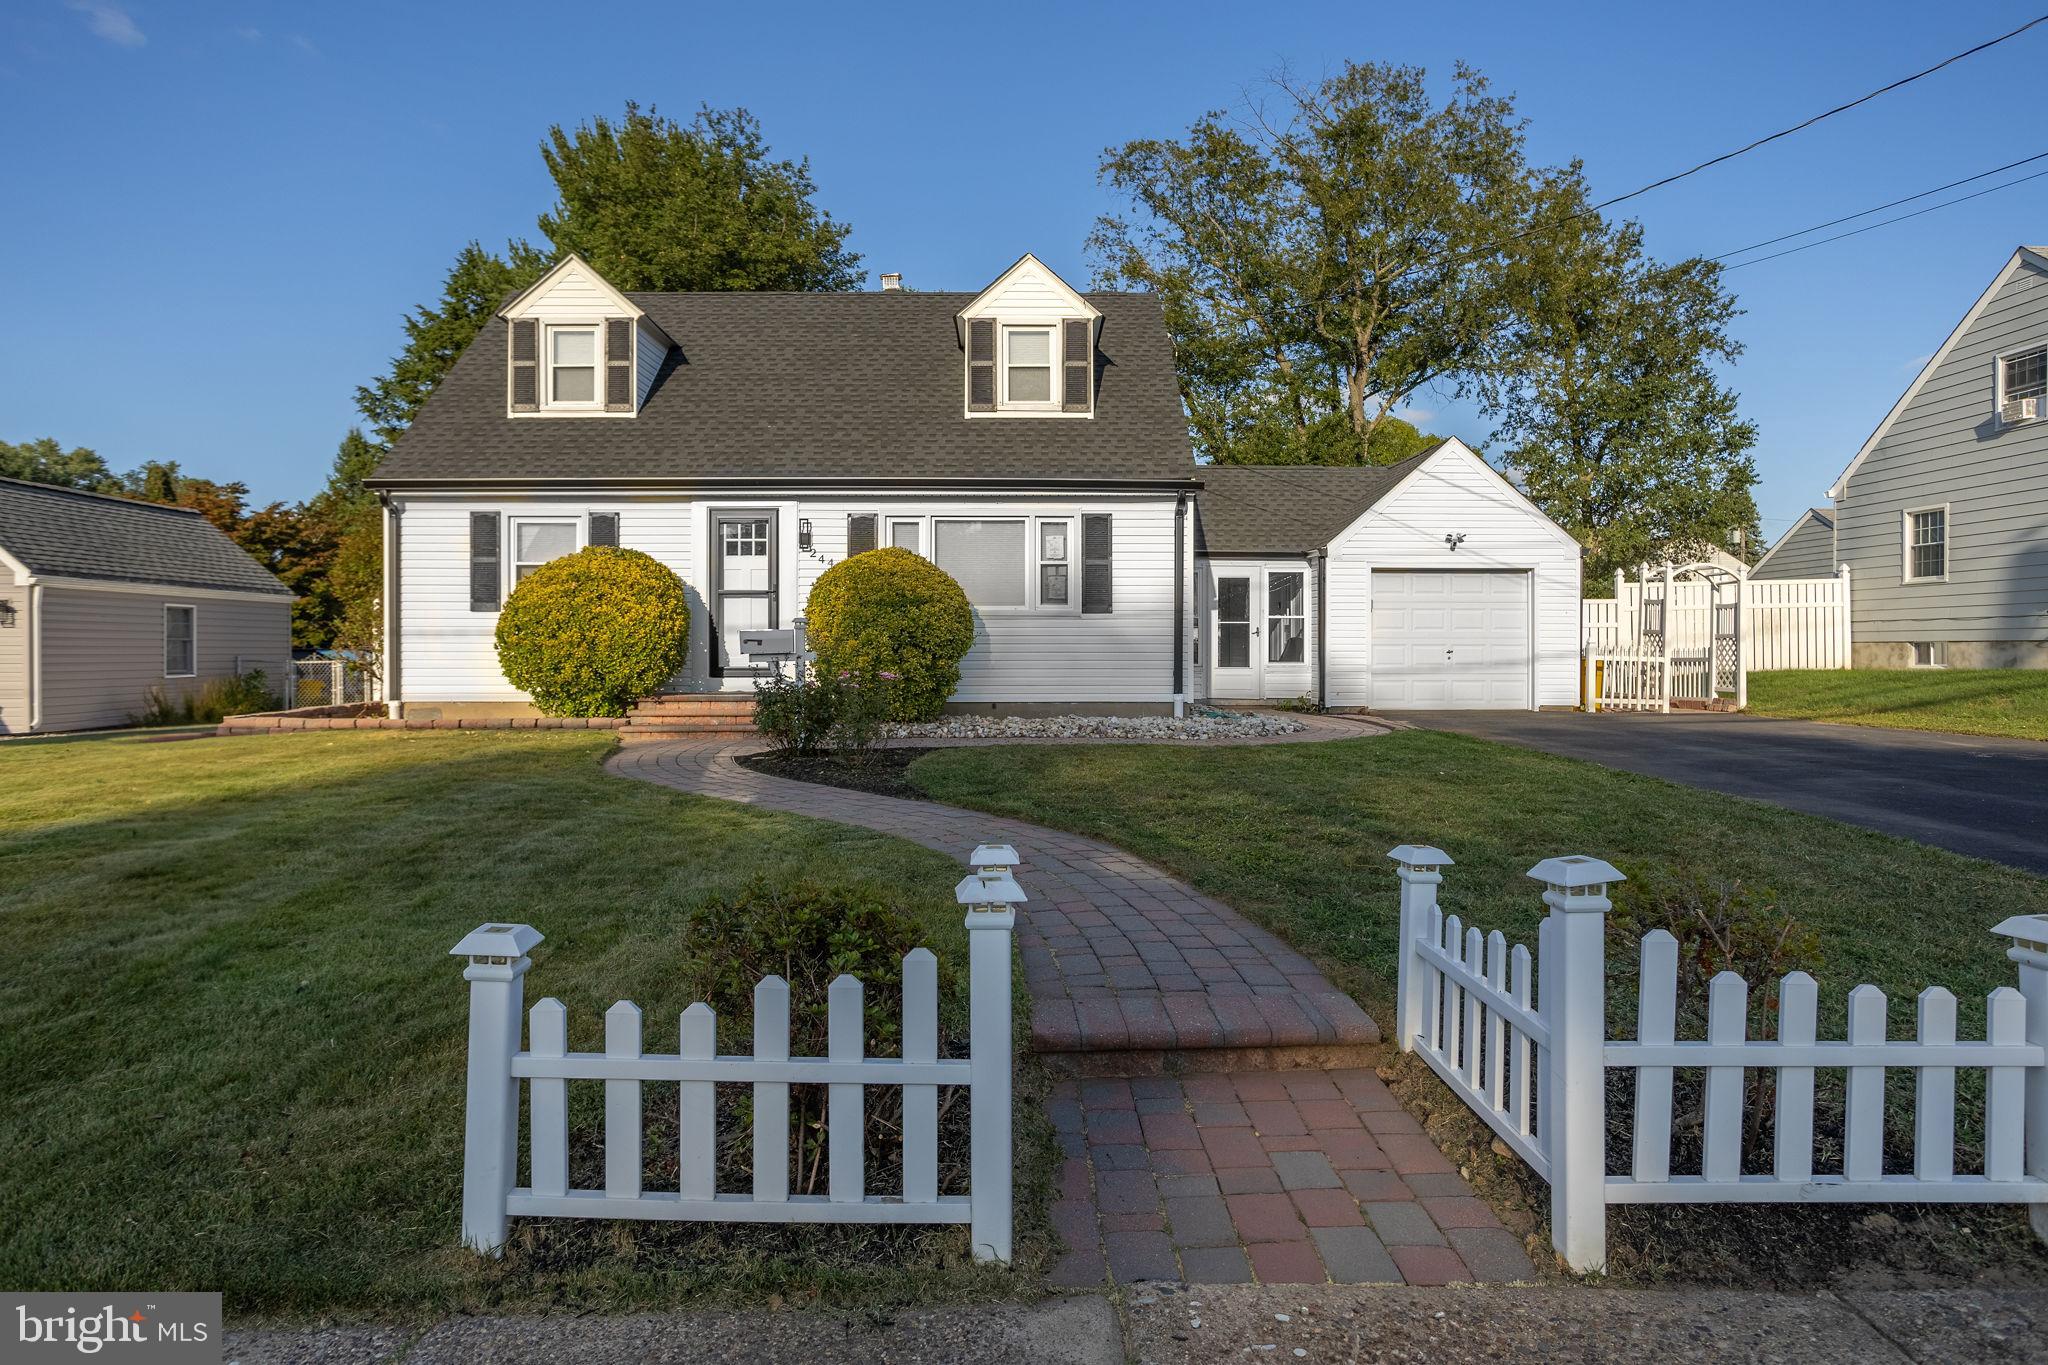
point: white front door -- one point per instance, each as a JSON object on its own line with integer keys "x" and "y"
{"x": 744, "y": 596}
{"x": 1450, "y": 640}
{"x": 1236, "y": 670}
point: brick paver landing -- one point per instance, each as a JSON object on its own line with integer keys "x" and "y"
{"x": 1120, "y": 957}
{"x": 1284, "y": 1177}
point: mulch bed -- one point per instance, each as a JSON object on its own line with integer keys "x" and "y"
{"x": 881, "y": 773}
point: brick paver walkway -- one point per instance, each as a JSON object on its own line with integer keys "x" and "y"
{"x": 1120, "y": 957}
{"x": 1284, "y": 1177}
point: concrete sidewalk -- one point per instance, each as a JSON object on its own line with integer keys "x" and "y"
{"x": 1192, "y": 1325}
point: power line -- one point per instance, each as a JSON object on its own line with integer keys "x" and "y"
{"x": 1880, "y": 208}
{"x": 1887, "y": 222}
{"x": 1594, "y": 210}
{"x": 1825, "y": 114}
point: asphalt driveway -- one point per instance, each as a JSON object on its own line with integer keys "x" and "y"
{"x": 1984, "y": 797}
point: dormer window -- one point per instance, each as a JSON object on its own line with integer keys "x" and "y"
{"x": 575, "y": 347}
{"x": 1029, "y": 346}
{"x": 1027, "y": 367}
{"x": 572, "y": 366}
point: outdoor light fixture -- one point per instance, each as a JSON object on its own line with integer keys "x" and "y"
{"x": 1455, "y": 541}
{"x": 803, "y": 533}
{"x": 6, "y": 613}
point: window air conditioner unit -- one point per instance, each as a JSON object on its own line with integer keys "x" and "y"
{"x": 2019, "y": 410}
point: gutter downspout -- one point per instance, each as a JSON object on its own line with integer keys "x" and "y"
{"x": 1320, "y": 558}
{"x": 394, "y": 705}
{"x": 1181, "y": 569}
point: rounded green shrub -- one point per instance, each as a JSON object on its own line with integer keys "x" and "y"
{"x": 590, "y": 633}
{"x": 897, "y": 616}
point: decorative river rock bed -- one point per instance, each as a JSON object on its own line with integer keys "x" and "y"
{"x": 1197, "y": 724}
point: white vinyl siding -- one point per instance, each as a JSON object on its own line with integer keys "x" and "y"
{"x": 1018, "y": 655}
{"x": 1454, "y": 493}
{"x": 1947, "y": 446}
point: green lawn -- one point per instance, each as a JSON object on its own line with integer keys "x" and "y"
{"x": 233, "y": 1036}
{"x": 1296, "y": 836}
{"x": 1967, "y": 701}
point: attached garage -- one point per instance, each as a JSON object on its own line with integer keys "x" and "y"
{"x": 1431, "y": 584}
{"x": 1451, "y": 639}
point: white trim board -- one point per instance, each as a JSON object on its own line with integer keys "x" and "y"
{"x": 284, "y": 599}
{"x": 2035, "y": 255}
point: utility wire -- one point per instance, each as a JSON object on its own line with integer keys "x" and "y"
{"x": 1887, "y": 222}
{"x": 1825, "y": 114}
{"x": 1593, "y": 211}
{"x": 1880, "y": 208}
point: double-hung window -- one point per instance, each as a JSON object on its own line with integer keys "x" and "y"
{"x": 535, "y": 541}
{"x": 181, "y": 642}
{"x": 2023, "y": 376}
{"x": 1286, "y": 616}
{"x": 1926, "y": 544}
{"x": 572, "y": 367}
{"x": 1055, "y": 560}
{"x": 1028, "y": 367}
{"x": 907, "y": 533}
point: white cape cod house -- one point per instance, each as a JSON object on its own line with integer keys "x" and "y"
{"x": 1029, "y": 439}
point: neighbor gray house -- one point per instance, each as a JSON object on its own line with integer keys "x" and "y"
{"x": 1942, "y": 517}
{"x": 1805, "y": 551}
{"x": 103, "y": 599}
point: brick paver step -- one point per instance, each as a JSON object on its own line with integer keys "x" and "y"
{"x": 1129, "y": 968}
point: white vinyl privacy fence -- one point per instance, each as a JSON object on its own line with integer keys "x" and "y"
{"x": 498, "y": 1065}
{"x": 1522, "y": 1038}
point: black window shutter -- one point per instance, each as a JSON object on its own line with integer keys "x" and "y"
{"x": 618, "y": 365}
{"x": 981, "y": 365}
{"x": 860, "y": 533}
{"x": 525, "y": 365}
{"x": 1078, "y": 369}
{"x": 604, "y": 528}
{"x": 1096, "y": 572}
{"x": 485, "y": 579}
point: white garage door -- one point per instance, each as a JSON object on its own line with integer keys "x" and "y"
{"x": 1451, "y": 640}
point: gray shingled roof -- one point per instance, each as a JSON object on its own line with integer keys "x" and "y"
{"x": 1287, "y": 509}
{"x": 1825, "y": 516}
{"x": 811, "y": 386}
{"x": 64, "y": 533}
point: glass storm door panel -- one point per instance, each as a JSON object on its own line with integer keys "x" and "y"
{"x": 745, "y": 578}
{"x": 1235, "y": 670}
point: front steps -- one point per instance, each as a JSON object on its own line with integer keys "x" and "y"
{"x": 678, "y": 715}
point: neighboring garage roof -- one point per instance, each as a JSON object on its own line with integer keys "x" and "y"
{"x": 1288, "y": 509}
{"x": 1822, "y": 515}
{"x": 65, "y": 533}
{"x": 777, "y": 386}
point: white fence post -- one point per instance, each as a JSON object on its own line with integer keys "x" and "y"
{"x": 2029, "y": 952}
{"x": 989, "y": 893}
{"x": 1846, "y": 617}
{"x": 1420, "y": 872}
{"x": 1572, "y": 1000}
{"x": 490, "y": 1141}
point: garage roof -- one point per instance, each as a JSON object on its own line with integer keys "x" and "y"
{"x": 69, "y": 533}
{"x": 1288, "y": 509}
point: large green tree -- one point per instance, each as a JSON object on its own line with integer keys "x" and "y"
{"x": 1614, "y": 416}
{"x": 1323, "y": 259}
{"x": 658, "y": 205}
{"x": 45, "y": 461}
{"x": 436, "y": 334}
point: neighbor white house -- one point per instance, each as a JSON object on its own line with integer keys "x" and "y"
{"x": 1028, "y": 438}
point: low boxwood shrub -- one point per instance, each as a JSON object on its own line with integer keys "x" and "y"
{"x": 893, "y": 612}
{"x": 590, "y": 633}
{"x": 835, "y": 711}
{"x": 809, "y": 935}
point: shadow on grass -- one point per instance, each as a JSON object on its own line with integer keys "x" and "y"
{"x": 236, "y": 1037}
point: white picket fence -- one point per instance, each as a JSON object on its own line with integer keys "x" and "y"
{"x": 1522, "y": 1039}
{"x": 1620, "y": 678}
{"x": 498, "y": 963}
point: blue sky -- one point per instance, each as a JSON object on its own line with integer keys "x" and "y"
{"x": 217, "y": 212}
